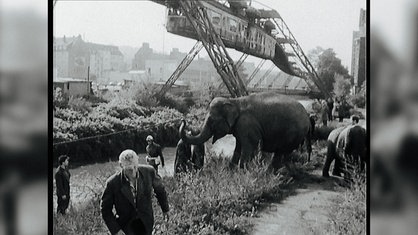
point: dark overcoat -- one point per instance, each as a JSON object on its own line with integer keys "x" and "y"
{"x": 62, "y": 181}
{"x": 118, "y": 195}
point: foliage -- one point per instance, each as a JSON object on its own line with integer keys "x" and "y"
{"x": 359, "y": 99}
{"x": 142, "y": 93}
{"x": 110, "y": 128}
{"x": 215, "y": 200}
{"x": 174, "y": 102}
{"x": 313, "y": 55}
{"x": 342, "y": 86}
{"x": 328, "y": 66}
{"x": 59, "y": 99}
{"x": 79, "y": 104}
{"x": 349, "y": 216}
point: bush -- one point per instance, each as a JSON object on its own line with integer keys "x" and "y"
{"x": 214, "y": 200}
{"x": 350, "y": 216}
{"x": 174, "y": 103}
{"x": 358, "y": 100}
{"x": 110, "y": 128}
{"x": 79, "y": 104}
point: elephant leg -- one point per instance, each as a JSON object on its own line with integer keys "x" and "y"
{"x": 276, "y": 163}
{"x": 236, "y": 156}
{"x": 287, "y": 161}
{"x": 247, "y": 154}
{"x": 330, "y": 157}
{"x": 339, "y": 163}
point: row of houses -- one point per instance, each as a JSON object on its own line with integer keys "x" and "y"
{"x": 102, "y": 67}
{"x": 76, "y": 58}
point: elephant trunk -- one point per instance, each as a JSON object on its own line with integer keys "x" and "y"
{"x": 201, "y": 138}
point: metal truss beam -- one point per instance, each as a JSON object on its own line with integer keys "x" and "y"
{"x": 198, "y": 18}
{"x": 264, "y": 76}
{"x": 252, "y": 76}
{"x": 180, "y": 69}
{"x": 311, "y": 74}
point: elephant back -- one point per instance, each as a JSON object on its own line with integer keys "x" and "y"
{"x": 283, "y": 121}
{"x": 356, "y": 139}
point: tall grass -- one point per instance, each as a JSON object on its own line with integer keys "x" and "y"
{"x": 215, "y": 200}
{"x": 349, "y": 213}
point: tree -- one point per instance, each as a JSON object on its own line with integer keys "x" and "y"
{"x": 328, "y": 66}
{"x": 342, "y": 86}
{"x": 313, "y": 56}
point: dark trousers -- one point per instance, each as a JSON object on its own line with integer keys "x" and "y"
{"x": 153, "y": 163}
{"x": 136, "y": 227}
{"x": 63, "y": 204}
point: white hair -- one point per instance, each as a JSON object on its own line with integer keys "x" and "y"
{"x": 128, "y": 158}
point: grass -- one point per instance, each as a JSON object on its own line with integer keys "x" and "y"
{"x": 215, "y": 200}
{"x": 349, "y": 213}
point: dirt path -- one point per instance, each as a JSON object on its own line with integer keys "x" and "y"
{"x": 305, "y": 212}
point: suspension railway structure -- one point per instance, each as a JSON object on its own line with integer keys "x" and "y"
{"x": 235, "y": 24}
{"x": 221, "y": 24}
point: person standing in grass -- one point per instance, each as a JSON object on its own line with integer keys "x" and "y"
{"x": 126, "y": 203}
{"x": 62, "y": 181}
{"x": 154, "y": 151}
{"x": 182, "y": 162}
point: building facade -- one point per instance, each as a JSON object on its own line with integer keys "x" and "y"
{"x": 75, "y": 58}
{"x": 358, "y": 58}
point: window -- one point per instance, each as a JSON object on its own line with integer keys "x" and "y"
{"x": 233, "y": 25}
{"x": 216, "y": 17}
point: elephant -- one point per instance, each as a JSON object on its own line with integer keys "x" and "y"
{"x": 347, "y": 145}
{"x": 278, "y": 123}
{"x": 332, "y": 153}
{"x": 352, "y": 145}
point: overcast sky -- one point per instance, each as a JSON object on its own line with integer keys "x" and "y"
{"x": 325, "y": 23}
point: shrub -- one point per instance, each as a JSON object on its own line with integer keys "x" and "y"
{"x": 173, "y": 102}
{"x": 214, "y": 200}
{"x": 59, "y": 99}
{"x": 79, "y": 104}
{"x": 358, "y": 100}
{"x": 349, "y": 216}
{"x": 106, "y": 133}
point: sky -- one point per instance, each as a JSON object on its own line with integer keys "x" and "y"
{"x": 324, "y": 23}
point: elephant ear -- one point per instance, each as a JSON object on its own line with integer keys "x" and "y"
{"x": 231, "y": 113}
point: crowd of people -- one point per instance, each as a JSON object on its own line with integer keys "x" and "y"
{"x": 331, "y": 109}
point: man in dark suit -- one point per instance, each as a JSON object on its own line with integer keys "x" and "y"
{"x": 129, "y": 192}
{"x": 62, "y": 181}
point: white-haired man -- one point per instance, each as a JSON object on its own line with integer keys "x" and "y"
{"x": 129, "y": 193}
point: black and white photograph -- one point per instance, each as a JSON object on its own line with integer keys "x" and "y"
{"x": 209, "y": 117}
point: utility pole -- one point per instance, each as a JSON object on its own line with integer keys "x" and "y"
{"x": 88, "y": 81}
